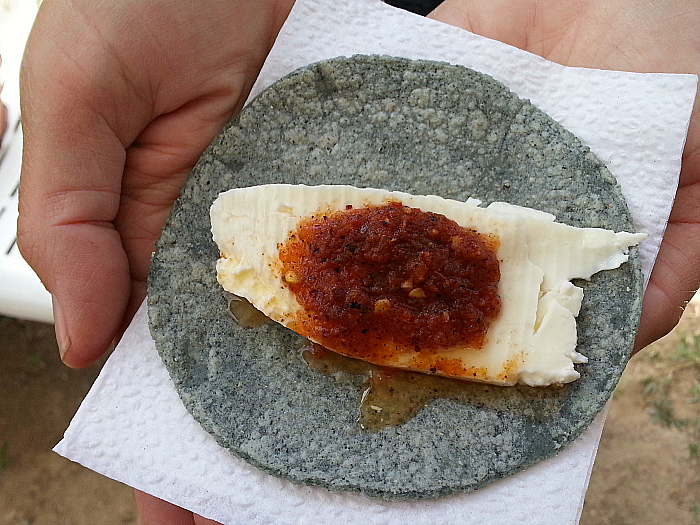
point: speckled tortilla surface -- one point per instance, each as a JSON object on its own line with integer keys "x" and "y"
{"x": 424, "y": 128}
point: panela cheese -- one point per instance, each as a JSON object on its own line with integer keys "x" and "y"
{"x": 531, "y": 339}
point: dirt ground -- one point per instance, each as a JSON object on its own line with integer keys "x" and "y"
{"x": 648, "y": 466}
{"x": 647, "y": 470}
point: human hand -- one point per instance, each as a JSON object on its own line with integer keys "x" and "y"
{"x": 3, "y": 119}
{"x": 153, "y": 511}
{"x": 118, "y": 102}
{"x": 660, "y": 36}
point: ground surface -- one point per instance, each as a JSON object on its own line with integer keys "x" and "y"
{"x": 647, "y": 470}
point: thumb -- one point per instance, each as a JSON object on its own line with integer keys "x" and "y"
{"x": 70, "y": 186}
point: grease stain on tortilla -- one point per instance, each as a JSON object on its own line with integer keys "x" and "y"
{"x": 244, "y": 313}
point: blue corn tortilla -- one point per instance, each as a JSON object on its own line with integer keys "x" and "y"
{"x": 425, "y": 128}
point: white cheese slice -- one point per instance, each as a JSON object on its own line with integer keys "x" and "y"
{"x": 533, "y": 339}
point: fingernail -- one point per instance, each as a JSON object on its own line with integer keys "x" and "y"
{"x": 62, "y": 337}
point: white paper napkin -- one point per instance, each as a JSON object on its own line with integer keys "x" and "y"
{"x": 132, "y": 426}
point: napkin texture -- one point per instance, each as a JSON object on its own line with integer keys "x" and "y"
{"x": 132, "y": 426}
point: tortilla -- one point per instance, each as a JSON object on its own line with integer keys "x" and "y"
{"x": 416, "y": 126}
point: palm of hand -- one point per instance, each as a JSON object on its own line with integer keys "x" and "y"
{"x": 661, "y": 36}
{"x": 118, "y": 104}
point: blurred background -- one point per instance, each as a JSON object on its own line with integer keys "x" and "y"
{"x": 647, "y": 470}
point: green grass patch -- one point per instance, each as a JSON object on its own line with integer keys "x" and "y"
{"x": 657, "y": 390}
{"x": 662, "y": 412}
{"x": 36, "y": 362}
{"x": 650, "y": 386}
{"x": 693, "y": 449}
{"x": 694, "y": 393}
{"x": 688, "y": 350}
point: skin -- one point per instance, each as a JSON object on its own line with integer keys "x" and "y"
{"x": 3, "y": 120}
{"x": 119, "y": 100}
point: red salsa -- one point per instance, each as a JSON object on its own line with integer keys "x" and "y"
{"x": 384, "y": 279}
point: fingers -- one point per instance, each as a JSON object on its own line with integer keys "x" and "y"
{"x": 199, "y": 520}
{"x": 71, "y": 182}
{"x": 676, "y": 273}
{"x": 118, "y": 102}
{"x": 153, "y": 511}
{"x": 672, "y": 285}
{"x": 3, "y": 119}
{"x": 157, "y": 165}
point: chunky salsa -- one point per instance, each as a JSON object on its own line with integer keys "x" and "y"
{"x": 383, "y": 279}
